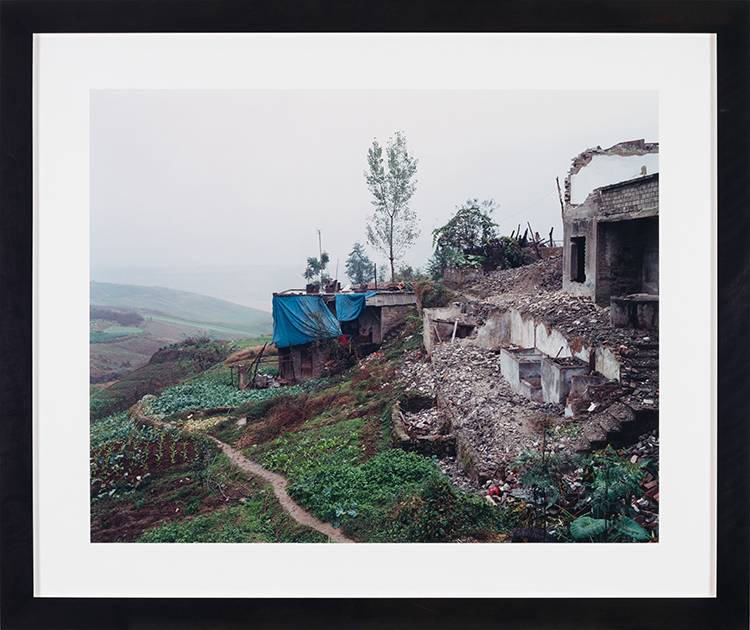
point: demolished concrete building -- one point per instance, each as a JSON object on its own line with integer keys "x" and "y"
{"x": 552, "y": 346}
{"x": 611, "y": 230}
{"x": 358, "y": 319}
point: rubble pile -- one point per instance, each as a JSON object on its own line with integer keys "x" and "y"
{"x": 647, "y": 506}
{"x": 497, "y": 423}
{"x": 535, "y": 290}
{"x": 543, "y": 275}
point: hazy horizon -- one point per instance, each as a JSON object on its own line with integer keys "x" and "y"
{"x": 191, "y": 187}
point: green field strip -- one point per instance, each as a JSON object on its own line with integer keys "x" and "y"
{"x": 251, "y": 331}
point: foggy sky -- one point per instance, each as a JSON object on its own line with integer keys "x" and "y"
{"x": 247, "y": 177}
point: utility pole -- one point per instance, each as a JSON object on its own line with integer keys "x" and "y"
{"x": 320, "y": 253}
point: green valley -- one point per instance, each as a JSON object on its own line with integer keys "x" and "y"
{"x": 129, "y": 323}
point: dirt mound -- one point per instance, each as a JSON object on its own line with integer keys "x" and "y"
{"x": 544, "y": 275}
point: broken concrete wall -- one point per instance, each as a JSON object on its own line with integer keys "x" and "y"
{"x": 557, "y": 377}
{"x": 368, "y": 324}
{"x": 509, "y": 327}
{"x": 432, "y": 331}
{"x": 516, "y": 365}
{"x": 597, "y": 167}
{"x": 634, "y": 311}
{"x": 495, "y": 333}
{"x": 604, "y": 252}
{"x": 612, "y": 241}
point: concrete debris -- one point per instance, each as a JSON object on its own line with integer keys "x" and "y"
{"x": 459, "y": 389}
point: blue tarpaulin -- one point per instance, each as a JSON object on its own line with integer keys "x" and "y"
{"x": 350, "y": 305}
{"x": 300, "y": 319}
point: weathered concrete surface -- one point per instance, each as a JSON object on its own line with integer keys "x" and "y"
{"x": 639, "y": 310}
{"x": 556, "y": 378}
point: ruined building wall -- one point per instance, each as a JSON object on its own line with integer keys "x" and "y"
{"x": 627, "y": 259}
{"x": 612, "y": 241}
{"x": 503, "y": 328}
{"x": 597, "y": 167}
{"x": 392, "y": 317}
{"x": 369, "y": 323}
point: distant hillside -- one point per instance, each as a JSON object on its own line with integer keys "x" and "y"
{"x": 182, "y": 305}
{"x": 129, "y": 323}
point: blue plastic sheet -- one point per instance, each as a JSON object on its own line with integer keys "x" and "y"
{"x": 300, "y": 319}
{"x": 350, "y": 305}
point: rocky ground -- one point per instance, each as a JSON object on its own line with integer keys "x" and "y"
{"x": 499, "y": 423}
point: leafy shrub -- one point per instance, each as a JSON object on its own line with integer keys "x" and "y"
{"x": 612, "y": 482}
{"x": 440, "y": 513}
{"x": 250, "y": 522}
{"x": 374, "y": 482}
{"x": 395, "y": 496}
{"x": 121, "y": 451}
{"x": 299, "y": 456}
{"x": 210, "y": 392}
{"x": 433, "y": 294}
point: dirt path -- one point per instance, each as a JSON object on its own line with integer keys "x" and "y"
{"x": 279, "y": 483}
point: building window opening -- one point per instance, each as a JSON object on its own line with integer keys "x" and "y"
{"x": 578, "y": 259}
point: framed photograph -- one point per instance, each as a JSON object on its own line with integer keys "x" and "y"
{"x": 100, "y": 102}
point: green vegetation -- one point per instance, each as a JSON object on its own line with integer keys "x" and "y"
{"x": 470, "y": 240}
{"x": 247, "y": 512}
{"x": 470, "y": 228}
{"x": 359, "y": 267}
{"x": 603, "y": 513}
{"x": 214, "y": 391}
{"x": 331, "y": 439}
{"x": 166, "y": 368}
{"x": 235, "y": 524}
{"x": 124, "y": 455}
{"x": 128, "y": 324}
{"x": 611, "y": 483}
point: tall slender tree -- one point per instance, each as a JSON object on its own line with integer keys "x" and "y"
{"x": 392, "y": 228}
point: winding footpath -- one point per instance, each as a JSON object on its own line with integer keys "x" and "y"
{"x": 278, "y": 483}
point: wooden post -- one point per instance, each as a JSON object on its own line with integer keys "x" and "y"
{"x": 534, "y": 240}
{"x": 435, "y": 328}
{"x": 455, "y": 328}
{"x": 256, "y": 363}
{"x": 559, "y": 194}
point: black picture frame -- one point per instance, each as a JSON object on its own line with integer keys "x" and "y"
{"x": 20, "y": 19}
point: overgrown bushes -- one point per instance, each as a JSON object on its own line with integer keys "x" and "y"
{"x": 394, "y": 497}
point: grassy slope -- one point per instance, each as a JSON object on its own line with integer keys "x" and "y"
{"x": 181, "y": 305}
{"x": 332, "y": 427}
